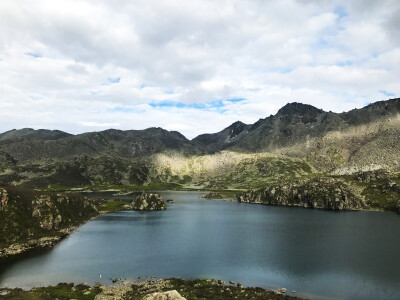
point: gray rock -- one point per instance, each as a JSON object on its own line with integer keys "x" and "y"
{"x": 170, "y": 295}
{"x": 148, "y": 201}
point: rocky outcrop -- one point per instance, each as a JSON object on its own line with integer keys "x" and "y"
{"x": 324, "y": 193}
{"x": 170, "y": 295}
{"x": 47, "y": 211}
{"x": 3, "y": 199}
{"x": 148, "y": 201}
{"x": 368, "y": 176}
{"x": 213, "y": 195}
{"x": 219, "y": 196}
{"x": 36, "y": 219}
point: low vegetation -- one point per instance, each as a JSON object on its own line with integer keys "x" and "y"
{"x": 190, "y": 289}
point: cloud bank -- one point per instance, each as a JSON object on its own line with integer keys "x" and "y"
{"x": 192, "y": 66}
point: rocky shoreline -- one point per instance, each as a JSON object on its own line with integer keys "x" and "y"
{"x": 144, "y": 201}
{"x": 42, "y": 242}
{"x": 377, "y": 193}
{"x": 220, "y": 196}
{"x": 323, "y": 193}
{"x": 172, "y": 289}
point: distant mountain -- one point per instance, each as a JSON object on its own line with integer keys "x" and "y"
{"x": 299, "y": 141}
{"x": 295, "y": 123}
{"x": 29, "y": 133}
{"x": 32, "y": 145}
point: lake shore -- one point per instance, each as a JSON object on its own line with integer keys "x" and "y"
{"x": 190, "y": 289}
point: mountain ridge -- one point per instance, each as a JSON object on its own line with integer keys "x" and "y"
{"x": 298, "y": 141}
{"x": 289, "y": 109}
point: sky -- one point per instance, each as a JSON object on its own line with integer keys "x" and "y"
{"x": 191, "y": 66}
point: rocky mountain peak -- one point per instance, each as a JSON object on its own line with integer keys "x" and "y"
{"x": 236, "y": 128}
{"x": 299, "y": 109}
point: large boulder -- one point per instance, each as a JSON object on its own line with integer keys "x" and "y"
{"x": 148, "y": 201}
{"x": 170, "y": 295}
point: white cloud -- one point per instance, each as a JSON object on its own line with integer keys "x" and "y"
{"x": 60, "y": 61}
{"x": 97, "y": 124}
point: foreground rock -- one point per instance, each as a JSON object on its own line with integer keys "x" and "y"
{"x": 168, "y": 289}
{"x": 148, "y": 201}
{"x": 324, "y": 193}
{"x": 170, "y": 295}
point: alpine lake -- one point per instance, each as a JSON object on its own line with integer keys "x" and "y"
{"x": 319, "y": 254}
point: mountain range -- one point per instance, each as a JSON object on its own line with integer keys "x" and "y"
{"x": 299, "y": 140}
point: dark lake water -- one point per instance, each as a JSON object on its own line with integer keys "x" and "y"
{"x": 320, "y": 254}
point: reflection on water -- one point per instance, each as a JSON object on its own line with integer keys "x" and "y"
{"x": 320, "y": 254}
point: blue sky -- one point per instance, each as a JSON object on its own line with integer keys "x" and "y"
{"x": 193, "y": 66}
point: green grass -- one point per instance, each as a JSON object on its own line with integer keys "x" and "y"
{"x": 64, "y": 291}
{"x": 112, "y": 205}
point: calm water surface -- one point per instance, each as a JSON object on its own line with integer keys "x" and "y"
{"x": 320, "y": 254}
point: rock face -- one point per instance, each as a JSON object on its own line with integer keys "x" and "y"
{"x": 3, "y": 199}
{"x": 170, "y": 295}
{"x": 324, "y": 193}
{"x": 148, "y": 201}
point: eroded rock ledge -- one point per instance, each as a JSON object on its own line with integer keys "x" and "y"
{"x": 323, "y": 193}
